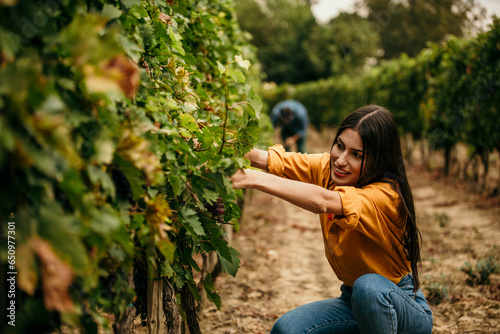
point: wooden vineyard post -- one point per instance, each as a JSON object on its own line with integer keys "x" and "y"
{"x": 163, "y": 310}
{"x": 189, "y": 306}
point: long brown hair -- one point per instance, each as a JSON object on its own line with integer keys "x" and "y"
{"x": 383, "y": 159}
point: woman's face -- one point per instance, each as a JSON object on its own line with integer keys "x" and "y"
{"x": 346, "y": 157}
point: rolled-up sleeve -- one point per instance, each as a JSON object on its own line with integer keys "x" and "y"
{"x": 275, "y": 163}
{"x": 296, "y": 166}
{"x": 352, "y": 205}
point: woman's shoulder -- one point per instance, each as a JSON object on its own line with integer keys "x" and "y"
{"x": 383, "y": 191}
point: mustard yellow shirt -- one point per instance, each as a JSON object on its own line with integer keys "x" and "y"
{"x": 367, "y": 239}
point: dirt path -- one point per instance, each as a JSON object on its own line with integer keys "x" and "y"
{"x": 458, "y": 227}
{"x": 283, "y": 264}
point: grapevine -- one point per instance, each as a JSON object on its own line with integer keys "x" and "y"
{"x": 118, "y": 122}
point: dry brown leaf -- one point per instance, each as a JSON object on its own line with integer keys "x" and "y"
{"x": 115, "y": 75}
{"x": 57, "y": 277}
{"x": 164, "y": 18}
{"x": 125, "y": 72}
{"x": 27, "y": 274}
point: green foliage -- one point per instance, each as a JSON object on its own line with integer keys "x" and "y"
{"x": 480, "y": 274}
{"x": 119, "y": 121}
{"x": 443, "y": 219}
{"x": 435, "y": 291}
{"x": 294, "y": 48}
{"x": 407, "y": 27}
{"x": 342, "y": 45}
{"x": 279, "y": 29}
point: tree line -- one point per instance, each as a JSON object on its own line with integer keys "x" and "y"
{"x": 293, "y": 47}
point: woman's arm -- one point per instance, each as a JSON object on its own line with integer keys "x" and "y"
{"x": 258, "y": 158}
{"x": 305, "y": 195}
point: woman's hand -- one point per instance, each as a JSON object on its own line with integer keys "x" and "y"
{"x": 241, "y": 179}
{"x": 246, "y": 178}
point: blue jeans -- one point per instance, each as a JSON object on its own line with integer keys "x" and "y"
{"x": 374, "y": 305}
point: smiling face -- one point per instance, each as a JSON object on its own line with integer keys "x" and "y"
{"x": 346, "y": 158}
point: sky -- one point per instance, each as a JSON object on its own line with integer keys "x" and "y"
{"x": 326, "y": 9}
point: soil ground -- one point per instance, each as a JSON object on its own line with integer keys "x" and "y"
{"x": 283, "y": 264}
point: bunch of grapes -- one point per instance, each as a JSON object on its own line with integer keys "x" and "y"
{"x": 217, "y": 208}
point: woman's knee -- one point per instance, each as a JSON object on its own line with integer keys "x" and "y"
{"x": 370, "y": 285}
{"x": 317, "y": 317}
{"x": 288, "y": 322}
{"x": 278, "y": 327}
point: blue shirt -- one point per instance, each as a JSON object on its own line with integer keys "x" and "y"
{"x": 300, "y": 122}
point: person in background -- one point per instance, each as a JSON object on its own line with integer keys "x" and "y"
{"x": 369, "y": 229}
{"x": 291, "y": 117}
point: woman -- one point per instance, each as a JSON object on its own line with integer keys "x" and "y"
{"x": 361, "y": 192}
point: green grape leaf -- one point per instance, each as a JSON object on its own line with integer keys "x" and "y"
{"x": 194, "y": 290}
{"x": 167, "y": 249}
{"x": 191, "y": 222}
{"x": 211, "y": 291}
{"x": 111, "y": 12}
{"x": 176, "y": 41}
{"x": 189, "y": 122}
{"x": 73, "y": 186}
{"x": 105, "y": 221}
{"x": 166, "y": 269}
{"x": 237, "y": 75}
{"x": 98, "y": 176}
{"x": 62, "y": 231}
{"x": 232, "y": 264}
{"x": 130, "y": 3}
{"x": 176, "y": 183}
{"x": 210, "y": 195}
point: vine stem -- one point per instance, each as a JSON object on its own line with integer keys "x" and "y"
{"x": 226, "y": 109}
{"x": 237, "y": 104}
